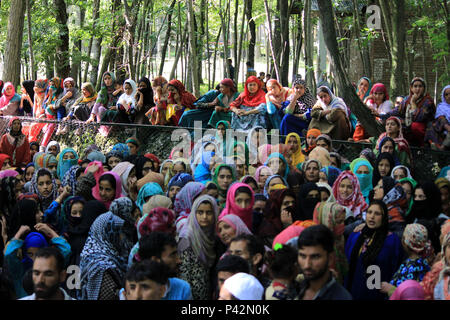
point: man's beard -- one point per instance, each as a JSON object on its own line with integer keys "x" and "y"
{"x": 318, "y": 274}
{"x": 44, "y": 292}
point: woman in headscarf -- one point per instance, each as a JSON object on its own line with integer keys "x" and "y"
{"x": 394, "y": 131}
{"x": 322, "y": 155}
{"x": 108, "y": 188}
{"x": 144, "y": 100}
{"x": 44, "y": 185}
{"x": 166, "y": 170}
{"x": 15, "y": 144}
{"x": 373, "y": 245}
{"x": 104, "y": 257}
{"x": 400, "y": 172}
{"x": 276, "y": 95}
{"x": 441, "y": 291}
{"x": 272, "y": 182}
{"x": 383, "y": 167}
{"x": 310, "y": 141}
{"x": 332, "y": 215}
{"x": 363, "y": 88}
{"x": 197, "y": 247}
{"x": 202, "y": 172}
{"x": 105, "y": 98}
{"x": 311, "y": 170}
{"x": 363, "y": 170}
{"x": 257, "y": 137}
{"x": 293, "y": 140}
{"x": 125, "y": 108}
{"x": 251, "y": 181}
{"x": 437, "y": 131}
{"x": 5, "y": 161}
{"x": 230, "y": 226}
{"x": 157, "y": 114}
{"x": 146, "y": 192}
{"x": 179, "y": 100}
{"x": 9, "y": 101}
{"x": 67, "y": 158}
{"x": 297, "y": 109}
{"x": 27, "y": 99}
{"x": 228, "y": 93}
{"x": 81, "y": 109}
{"x": 249, "y": 108}
{"x": 278, "y": 163}
{"x": 444, "y": 187}
{"x": 177, "y": 182}
{"x": 127, "y": 174}
{"x": 330, "y": 115}
{"x": 240, "y": 200}
{"x": 330, "y": 173}
{"x": 224, "y": 176}
{"x": 347, "y": 191}
{"x": 40, "y": 87}
{"x": 308, "y": 197}
{"x": 280, "y": 212}
{"x": 261, "y": 174}
{"x": 408, "y": 185}
{"x": 184, "y": 199}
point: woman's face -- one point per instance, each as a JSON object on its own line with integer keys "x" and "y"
{"x": 33, "y": 150}
{"x": 378, "y": 97}
{"x": 106, "y": 191}
{"x": 273, "y": 89}
{"x": 76, "y": 210}
{"x": 299, "y": 89}
{"x": 205, "y": 215}
{"x": 252, "y": 87}
{"x": 52, "y": 167}
{"x": 277, "y": 165}
{"x": 447, "y": 95}
{"x": 392, "y": 127}
{"x": 85, "y": 92}
{"x": 363, "y": 86}
{"x": 39, "y": 216}
{"x": 8, "y": 90}
{"x": 288, "y": 201}
{"x": 142, "y": 85}
{"x": 128, "y": 89}
{"x": 243, "y": 200}
{"x": 334, "y": 161}
{"x": 311, "y": 140}
{"x": 253, "y": 186}
{"x": 29, "y": 173}
{"x": 340, "y": 217}
{"x": 388, "y": 147}
{"x": 384, "y": 167}
{"x": 444, "y": 195}
{"x": 345, "y": 188}
{"x": 263, "y": 175}
{"x": 362, "y": 170}
{"x": 378, "y": 190}
{"x": 324, "y": 195}
{"x": 210, "y": 147}
{"x": 275, "y": 181}
{"x": 15, "y": 125}
{"x": 374, "y": 216}
{"x": 68, "y": 155}
{"x": 173, "y": 191}
{"x": 408, "y": 190}
{"x": 68, "y": 85}
{"x": 417, "y": 88}
{"x": 226, "y": 232}
{"x": 172, "y": 89}
{"x": 178, "y": 168}
{"x": 148, "y": 166}
{"x": 133, "y": 148}
{"x": 108, "y": 80}
{"x": 325, "y": 98}
{"x": 293, "y": 143}
{"x": 225, "y": 89}
{"x": 312, "y": 172}
{"x": 419, "y": 195}
{"x": 221, "y": 130}
{"x": 323, "y": 177}
{"x": 166, "y": 167}
{"x": 322, "y": 143}
{"x": 224, "y": 178}
{"x": 399, "y": 173}
{"x": 113, "y": 161}
{"x": 44, "y": 185}
{"x": 53, "y": 150}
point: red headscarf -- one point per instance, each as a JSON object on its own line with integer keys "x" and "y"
{"x": 158, "y": 219}
{"x": 4, "y": 100}
{"x": 379, "y": 87}
{"x": 232, "y": 208}
{"x": 3, "y": 158}
{"x": 355, "y": 202}
{"x": 154, "y": 158}
{"x": 250, "y": 100}
{"x": 187, "y": 98}
{"x": 229, "y": 83}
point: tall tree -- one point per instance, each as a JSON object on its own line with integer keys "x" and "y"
{"x": 11, "y": 71}
{"x": 30, "y": 40}
{"x": 166, "y": 41}
{"x": 309, "y": 46}
{"x": 95, "y": 16}
{"x": 285, "y": 49}
{"x": 193, "y": 49}
{"x": 62, "y": 49}
{"x": 252, "y": 29}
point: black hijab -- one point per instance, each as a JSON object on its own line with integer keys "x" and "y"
{"x": 23, "y": 214}
{"x": 431, "y": 207}
{"x": 139, "y": 164}
{"x": 376, "y": 172}
{"x": 147, "y": 92}
{"x": 29, "y": 87}
{"x": 306, "y": 205}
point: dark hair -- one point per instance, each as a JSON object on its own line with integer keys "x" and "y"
{"x": 225, "y": 167}
{"x": 322, "y": 89}
{"x": 211, "y": 186}
{"x": 254, "y": 244}
{"x": 328, "y": 142}
{"x": 108, "y": 177}
{"x": 233, "y": 264}
{"x": 48, "y": 252}
{"x": 182, "y": 163}
{"x": 152, "y": 245}
{"x": 318, "y": 235}
{"x": 7, "y": 291}
{"x": 282, "y": 262}
{"x": 243, "y": 189}
{"x": 43, "y": 173}
{"x": 147, "y": 270}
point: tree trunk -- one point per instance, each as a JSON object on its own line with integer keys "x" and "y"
{"x": 193, "y": 49}
{"x": 95, "y": 16}
{"x": 200, "y": 39}
{"x": 235, "y": 37}
{"x": 130, "y": 14}
{"x": 275, "y": 60}
{"x": 252, "y": 29}
{"x": 166, "y": 41}
{"x": 96, "y": 54}
{"x": 363, "y": 50}
{"x": 285, "y": 48}
{"x": 276, "y": 38}
{"x": 183, "y": 38}
{"x": 345, "y": 87}
{"x": 30, "y": 40}
{"x": 298, "y": 45}
{"x": 215, "y": 55}
{"x": 62, "y": 49}
{"x": 242, "y": 34}
{"x": 309, "y": 47}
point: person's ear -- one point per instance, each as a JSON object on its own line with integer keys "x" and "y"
{"x": 162, "y": 292}
{"x": 331, "y": 259}
{"x": 256, "y": 259}
{"x": 62, "y": 276}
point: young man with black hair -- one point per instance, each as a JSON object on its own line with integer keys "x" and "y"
{"x": 315, "y": 256}
{"x": 48, "y": 274}
{"x": 252, "y": 249}
{"x": 162, "y": 247}
{"x": 146, "y": 280}
{"x": 228, "y": 266}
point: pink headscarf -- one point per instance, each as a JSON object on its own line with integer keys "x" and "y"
{"x": 235, "y": 222}
{"x": 258, "y": 172}
{"x": 264, "y": 152}
{"x": 96, "y": 192}
{"x": 408, "y": 290}
{"x": 8, "y": 173}
{"x": 287, "y": 234}
{"x": 355, "y": 202}
{"x": 231, "y": 206}
{"x": 4, "y": 100}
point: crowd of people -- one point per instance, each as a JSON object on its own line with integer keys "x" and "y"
{"x": 223, "y": 219}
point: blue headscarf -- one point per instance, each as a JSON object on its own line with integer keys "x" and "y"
{"x": 279, "y": 155}
{"x": 123, "y": 149}
{"x": 332, "y": 174}
{"x": 96, "y": 156}
{"x": 202, "y": 172}
{"x": 443, "y": 173}
{"x": 365, "y": 179}
{"x": 148, "y": 190}
{"x": 65, "y": 165}
{"x": 32, "y": 240}
{"x": 266, "y": 185}
{"x": 180, "y": 180}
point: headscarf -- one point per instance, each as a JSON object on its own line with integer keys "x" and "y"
{"x": 252, "y": 148}
{"x": 70, "y": 178}
{"x": 222, "y": 192}
{"x": 379, "y": 87}
{"x": 43, "y": 160}
{"x": 147, "y": 92}
{"x": 431, "y": 207}
{"x": 158, "y": 219}
{"x": 106, "y": 92}
{"x": 332, "y": 174}
{"x": 306, "y": 205}
{"x": 235, "y": 223}
{"x": 156, "y": 201}
{"x": 51, "y": 144}
{"x": 355, "y": 202}
{"x": 187, "y": 98}
{"x": 123, "y": 208}
{"x": 408, "y": 173}
{"x": 180, "y": 180}
{"x": 250, "y": 100}
{"x": 297, "y": 157}
{"x": 96, "y": 156}
{"x": 443, "y": 108}
{"x": 280, "y": 156}
{"x": 8, "y": 173}
{"x": 368, "y": 89}
{"x": 258, "y": 172}
{"x": 263, "y": 152}
{"x": 3, "y": 158}
{"x": 202, "y": 171}
{"x": 92, "y": 94}
{"x": 16, "y": 139}
{"x": 413, "y": 186}
{"x": 305, "y": 164}
{"x": 322, "y": 186}
{"x": 149, "y": 189}
{"x": 408, "y": 290}
{"x": 65, "y": 165}
{"x": 415, "y": 237}
{"x": 126, "y": 99}
{"x": 32, "y": 240}
{"x": 201, "y": 241}
{"x": 28, "y": 85}
{"x": 365, "y": 179}
{"x": 4, "y": 99}
{"x": 185, "y": 198}
{"x": 394, "y": 154}
{"x": 335, "y": 102}
{"x": 118, "y": 188}
{"x": 321, "y": 154}
{"x": 446, "y": 264}
{"x": 401, "y": 143}
{"x": 231, "y": 206}
{"x": 376, "y": 172}
{"x": 306, "y": 101}
{"x": 123, "y": 149}
{"x": 277, "y": 100}
{"x": 266, "y": 185}
{"x": 105, "y": 250}
{"x": 66, "y": 208}
{"x": 326, "y": 213}
{"x": 123, "y": 169}
{"x": 424, "y": 97}
{"x": 45, "y": 201}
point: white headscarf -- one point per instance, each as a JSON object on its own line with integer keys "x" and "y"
{"x": 126, "y": 99}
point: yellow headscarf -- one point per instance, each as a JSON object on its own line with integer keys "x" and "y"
{"x": 298, "y": 156}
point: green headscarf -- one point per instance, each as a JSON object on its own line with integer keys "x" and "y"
{"x": 223, "y": 193}
{"x": 413, "y": 184}
{"x": 103, "y": 94}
